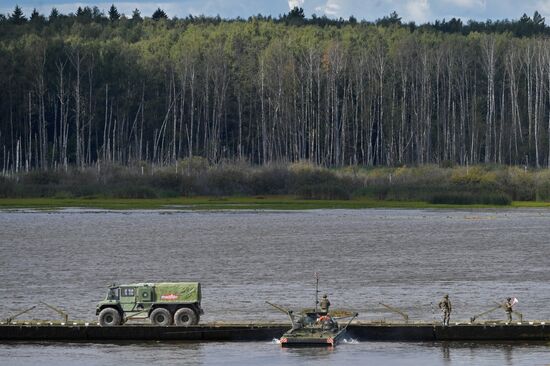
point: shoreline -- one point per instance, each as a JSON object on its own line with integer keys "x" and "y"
{"x": 241, "y": 203}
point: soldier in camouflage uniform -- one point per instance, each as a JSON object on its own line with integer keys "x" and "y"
{"x": 445, "y": 305}
{"x": 325, "y": 304}
{"x": 508, "y": 308}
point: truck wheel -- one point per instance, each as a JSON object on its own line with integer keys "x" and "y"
{"x": 161, "y": 316}
{"x": 185, "y": 317}
{"x": 109, "y": 317}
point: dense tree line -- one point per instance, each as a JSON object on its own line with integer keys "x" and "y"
{"x": 90, "y": 88}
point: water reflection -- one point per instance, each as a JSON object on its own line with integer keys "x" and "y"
{"x": 506, "y": 353}
{"x": 446, "y": 352}
{"x": 267, "y": 353}
{"x": 309, "y": 353}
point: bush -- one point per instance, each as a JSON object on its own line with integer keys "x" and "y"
{"x": 375, "y": 192}
{"x": 324, "y": 191}
{"x": 194, "y": 165}
{"x": 520, "y": 185}
{"x": 42, "y": 177}
{"x": 322, "y": 184}
{"x": 7, "y": 187}
{"x": 225, "y": 181}
{"x": 488, "y": 184}
{"x": 166, "y": 181}
{"x": 471, "y": 176}
{"x": 270, "y": 180}
{"x": 447, "y": 164}
{"x": 132, "y": 191}
{"x": 543, "y": 186}
{"x": 469, "y": 198}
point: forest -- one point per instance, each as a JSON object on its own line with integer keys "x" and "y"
{"x": 92, "y": 89}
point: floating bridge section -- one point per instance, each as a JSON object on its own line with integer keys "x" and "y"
{"x": 362, "y": 331}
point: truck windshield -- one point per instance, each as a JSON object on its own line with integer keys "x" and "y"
{"x": 112, "y": 294}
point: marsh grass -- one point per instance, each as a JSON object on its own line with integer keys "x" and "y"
{"x": 305, "y": 184}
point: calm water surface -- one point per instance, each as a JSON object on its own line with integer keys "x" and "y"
{"x": 406, "y": 258}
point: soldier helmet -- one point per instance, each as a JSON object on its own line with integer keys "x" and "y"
{"x": 446, "y": 295}
{"x": 509, "y": 299}
{"x": 324, "y": 296}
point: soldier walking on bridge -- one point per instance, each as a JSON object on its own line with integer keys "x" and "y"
{"x": 445, "y": 305}
{"x": 508, "y": 308}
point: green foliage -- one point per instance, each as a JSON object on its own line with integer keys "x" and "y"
{"x": 543, "y": 186}
{"x": 42, "y": 178}
{"x": 393, "y": 19}
{"x": 270, "y": 180}
{"x": 519, "y": 184}
{"x": 469, "y": 198}
{"x": 54, "y": 14}
{"x": 195, "y": 165}
{"x": 314, "y": 183}
{"x": 479, "y": 185}
{"x": 156, "y": 90}
{"x": 295, "y": 17}
{"x": 17, "y": 17}
{"x": 113, "y": 13}
{"x": 159, "y": 14}
{"x": 37, "y": 18}
{"x": 7, "y": 187}
{"x": 136, "y": 15}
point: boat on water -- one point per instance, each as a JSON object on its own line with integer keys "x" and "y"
{"x": 315, "y": 327}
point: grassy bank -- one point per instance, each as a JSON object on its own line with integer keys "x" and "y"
{"x": 198, "y": 184}
{"x": 235, "y": 203}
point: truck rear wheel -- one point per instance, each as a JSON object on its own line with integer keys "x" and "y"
{"x": 161, "y": 316}
{"x": 185, "y": 317}
{"x": 109, "y": 317}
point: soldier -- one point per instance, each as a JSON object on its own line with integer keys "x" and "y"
{"x": 508, "y": 308}
{"x": 445, "y": 305}
{"x": 325, "y": 304}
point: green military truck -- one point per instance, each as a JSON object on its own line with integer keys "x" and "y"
{"x": 163, "y": 304}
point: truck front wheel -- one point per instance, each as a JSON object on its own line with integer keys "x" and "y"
{"x": 109, "y": 317}
{"x": 185, "y": 317}
{"x": 161, "y": 316}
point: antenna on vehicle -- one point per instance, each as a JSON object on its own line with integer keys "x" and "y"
{"x": 316, "y": 290}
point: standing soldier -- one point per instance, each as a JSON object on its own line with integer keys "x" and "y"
{"x": 325, "y": 304}
{"x": 446, "y": 306}
{"x": 508, "y": 308}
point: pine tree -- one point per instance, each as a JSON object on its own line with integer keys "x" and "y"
{"x": 113, "y": 13}
{"x": 296, "y": 16}
{"x": 36, "y": 17}
{"x": 17, "y": 17}
{"x": 159, "y": 14}
{"x": 54, "y": 14}
{"x": 136, "y": 15}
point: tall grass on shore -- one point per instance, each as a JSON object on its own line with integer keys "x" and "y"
{"x": 484, "y": 184}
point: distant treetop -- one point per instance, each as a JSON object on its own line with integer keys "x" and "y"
{"x": 524, "y": 26}
{"x": 136, "y": 14}
{"x": 17, "y": 17}
{"x": 159, "y": 14}
{"x": 113, "y": 13}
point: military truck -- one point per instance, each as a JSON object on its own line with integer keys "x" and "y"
{"x": 163, "y": 304}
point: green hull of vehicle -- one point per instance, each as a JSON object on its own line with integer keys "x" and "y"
{"x": 312, "y": 337}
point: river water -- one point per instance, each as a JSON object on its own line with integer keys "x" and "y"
{"x": 404, "y": 258}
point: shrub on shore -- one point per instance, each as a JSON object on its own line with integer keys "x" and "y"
{"x": 469, "y": 198}
{"x": 494, "y": 185}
